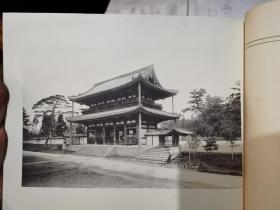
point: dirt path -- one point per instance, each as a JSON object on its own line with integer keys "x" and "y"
{"x": 53, "y": 170}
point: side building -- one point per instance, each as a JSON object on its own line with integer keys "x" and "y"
{"x": 122, "y": 110}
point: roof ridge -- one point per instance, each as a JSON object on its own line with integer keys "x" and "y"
{"x": 126, "y": 74}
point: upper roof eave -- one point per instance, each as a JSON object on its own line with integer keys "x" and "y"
{"x": 84, "y": 96}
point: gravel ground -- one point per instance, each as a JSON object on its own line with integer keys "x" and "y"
{"x": 43, "y": 172}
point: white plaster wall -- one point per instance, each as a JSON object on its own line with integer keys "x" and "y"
{"x": 43, "y": 141}
{"x": 152, "y": 141}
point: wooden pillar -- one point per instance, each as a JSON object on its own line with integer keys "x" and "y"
{"x": 124, "y": 130}
{"x": 114, "y": 133}
{"x": 71, "y": 126}
{"x": 73, "y": 108}
{"x": 139, "y": 128}
{"x": 103, "y": 133}
{"x": 173, "y": 104}
{"x": 175, "y": 120}
{"x": 95, "y": 133}
{"x": 87, "y": 132}
{"x": 71, "y": 136}
{"x": 139, "y": 93}
{"x": 147, "y": 124}
{"x": 139, "y": 125}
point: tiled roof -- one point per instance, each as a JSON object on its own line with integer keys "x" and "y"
{"x": 157, "y": 132}
{"x": 182, "y": 131}
{"x": 100, "y": 115}
{"x": 166, "y": 132}
{"x": 119, "y": 81}
{"x": 160, "y": 112}
{"x": 122, "y": 111}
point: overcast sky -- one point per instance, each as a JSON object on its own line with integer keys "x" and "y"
{"x": 67, "y": 54}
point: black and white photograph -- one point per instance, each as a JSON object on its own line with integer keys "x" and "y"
{"x": 119, "y": 132}
{"x": 148, "y": 105}
{"x": 115, "y": 114}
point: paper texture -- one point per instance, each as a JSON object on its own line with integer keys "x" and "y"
{"x": 204, "y": 45}
{"x": 262, "y": 116}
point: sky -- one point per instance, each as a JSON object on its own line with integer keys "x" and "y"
{"x": 67, "y": 54}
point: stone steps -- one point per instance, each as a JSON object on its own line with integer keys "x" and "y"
{"x": 157, "y": 155}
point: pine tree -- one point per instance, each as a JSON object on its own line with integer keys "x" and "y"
{"x": 196, "y": 101}
{"x": 211, "y": 144}
{"x": 47, "y": 108}
{"x": 46, "y": 126}
{"x": 25, "y": 118}
{"x": 231, "y": 125}
{"x": 60, "y": 126}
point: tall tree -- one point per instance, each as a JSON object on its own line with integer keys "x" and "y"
{"x": 196, "y": 101}
{"x": 231, "y": 125}
{"x": 208, "y": 122}
{"x": 213, "y": 115}
{"x": 47, "y": 107}
{"x": 25, "y": 118}
{"x": 46, "y": 126}
{"x": 60, "y": 126}
{"x": 216, "y": 117}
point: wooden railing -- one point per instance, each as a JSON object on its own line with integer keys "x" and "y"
{"x": 151, "y": 104}
{"x": 121, "y": 104}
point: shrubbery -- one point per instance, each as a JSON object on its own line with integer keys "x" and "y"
{"x": 220, "y": 163}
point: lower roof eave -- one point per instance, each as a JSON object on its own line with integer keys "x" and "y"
{"x": 124, "y": 112}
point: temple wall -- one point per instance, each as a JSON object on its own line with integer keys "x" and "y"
{"x": 56, "y": 140}
{"x": 41, "y": 147}
{"x": 128, "y": 151}
{"x": 153, "y": 140}
{"x": 108, "y": 150}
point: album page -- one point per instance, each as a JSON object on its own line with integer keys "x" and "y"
{"x": 116, "y": 112}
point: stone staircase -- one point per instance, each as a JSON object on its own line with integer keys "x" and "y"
{"x": 157, "y": 155}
